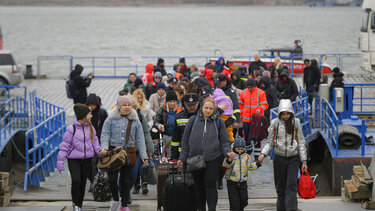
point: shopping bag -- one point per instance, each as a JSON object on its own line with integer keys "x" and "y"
{"x": 306, "y": 186}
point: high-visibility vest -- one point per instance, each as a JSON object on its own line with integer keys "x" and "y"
{"x": 250, "y": 102}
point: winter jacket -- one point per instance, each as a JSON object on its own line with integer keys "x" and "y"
{"x": 208, "y": 75}
{"x": 80, "y": 85}
{"x": 338, "y": 82}
{"x": 206, "y": 131}
{"x": 271, "y": 95}
{"x": 237, "y": 169}
{"x": 218, "y": 67}
{"x": 156, "y": 101}
{"x": 182, "y": 118}
{"x": 146, "y": 132}
{"x": 250, "y": 102}
{"x": 147, "y": 77}
{"x": 220, "y": 98}
{"x": 185, "y": 71}
{"x": 311, "y": 77}
{"x": 162, "y": 118}
{"x": 284, "y": 144}
{"x": 227, "y": 71}
{"x": 287, "y": 89}
{"x": 233, "y": 96}
{"x": 114, "y": 132}
{"x": 99, "y": 115}
{"x": 160, "y": 69}
{"x": 239, "y": 83}
{"x": 77, "y": 146}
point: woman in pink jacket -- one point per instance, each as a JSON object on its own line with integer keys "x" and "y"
{"x": 79, "y": 145}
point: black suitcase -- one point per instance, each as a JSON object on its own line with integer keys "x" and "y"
{"x": 179, "y": 193}
{"x": 163, "y": 169}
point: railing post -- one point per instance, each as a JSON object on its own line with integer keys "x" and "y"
{"x": 114, "y": 66}
{"x": 363, "y": 134}
{"x": 93, "y": 65}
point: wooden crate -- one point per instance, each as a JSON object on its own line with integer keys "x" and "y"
{"x": 360, "y": 185}
{"x": 4, "y": 190}
{"x": 353, "y": 191}
{"x": 4, "y": 199}
{"x": 4, "y": 175}
{"x": 4, "y": 183}
{"x": 370, "y": 205}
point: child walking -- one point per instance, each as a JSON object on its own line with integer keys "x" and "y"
{"x": 237, "y": 174}
{"x": 79, "y": 146}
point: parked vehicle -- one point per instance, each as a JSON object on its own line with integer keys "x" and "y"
{"x": 367, "y": 36}
{"x": 9, "y": 72}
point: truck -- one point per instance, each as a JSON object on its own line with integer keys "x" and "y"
{"x": 366, "y": 41}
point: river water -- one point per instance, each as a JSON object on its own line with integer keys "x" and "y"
{"x": 30, "y": 32}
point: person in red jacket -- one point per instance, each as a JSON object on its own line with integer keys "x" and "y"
{"x": 147, "y": 77}
{"x": 207, "y": 73}
{"x": 252, "y": 101}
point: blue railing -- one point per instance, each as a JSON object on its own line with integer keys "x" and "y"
{"x": 365, "y": 102}
{"x": 121, "y": 66}
{"x": 329, "y": 123}
{"x": 13, "y": 114}
{"x": 42, "y": 141}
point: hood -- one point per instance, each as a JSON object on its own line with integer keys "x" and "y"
{"x": 92, "y": 98}
{"x": 77, "y": 71}
{"x": 237, "y": 73}
{"x": 149, "y": 68}
{"x": 266, "y": 81}
{"x": 285, "y": 105}
{"x": 218, "y": 93}
{"x": 340, "y": 74}
{"x": 115, "y": 114}
{"x": 172, "y": 72}
{"x": 218, "y": 62}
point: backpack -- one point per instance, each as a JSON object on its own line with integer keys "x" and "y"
{"x": 71, "y": 90}
{"x": 258, "y": 128}
{"x": 101, "y": 189}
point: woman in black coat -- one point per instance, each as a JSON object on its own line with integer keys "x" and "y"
{"x": 206, "y": 133}
{"x": 79, "y": 93}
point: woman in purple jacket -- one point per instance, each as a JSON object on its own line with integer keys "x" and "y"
{"x": 79, "y": 144}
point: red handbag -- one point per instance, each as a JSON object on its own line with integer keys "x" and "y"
{"x": 306, "y": 186}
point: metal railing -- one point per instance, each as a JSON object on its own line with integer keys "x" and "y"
{"x": 329, "y": 123}
{"x": 363, "y": 98}
{"x": 42, "y": 141}
{"x": 13, "y": 114}
{"x": 121, "y": 66}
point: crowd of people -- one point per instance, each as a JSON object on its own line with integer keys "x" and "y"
{"x": 176, "y": 114}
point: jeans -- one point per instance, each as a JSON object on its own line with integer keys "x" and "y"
{"x": 125, "y": 173}
{"x": 205, "y": 184}
{"x": 286, "y": 173}
{"x": 136, "y": 175}
{"x": 79, "y": 171}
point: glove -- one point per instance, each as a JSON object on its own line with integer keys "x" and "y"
{"x": 60, "y": 165}
{"x": 229, "y": 122}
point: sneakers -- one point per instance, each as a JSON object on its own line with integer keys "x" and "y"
{"x": 124, "y": 208}
{"x": 144, "y": 188}
{"x": 136, "y": 189}
{"x": 76, "y": 208}
{"x": 115, "y": 206}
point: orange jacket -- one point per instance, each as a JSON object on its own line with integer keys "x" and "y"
{"x": 250, "y": 102}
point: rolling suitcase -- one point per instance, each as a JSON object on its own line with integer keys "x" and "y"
{"x": 179, "y": 192}
{"x": 163, "y": 169}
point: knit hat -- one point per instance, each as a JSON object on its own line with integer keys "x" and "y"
{"x": 160, "y": 60}
{"x": 158, "y": 74}
{"x": 160, "y": 86}
{"x": 222, "y": 77}
{"x": 194, "y": 74}
{"x": 239, "y": 142}
{"x": 81, "y": 110}
{"x": 171, "y": 95}
{"x": 182, "y": 60}
{"x": 121, "y": 100}
{"x": 250, "y": 82}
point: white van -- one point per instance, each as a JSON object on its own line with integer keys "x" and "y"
{"x": 9, "y": 72}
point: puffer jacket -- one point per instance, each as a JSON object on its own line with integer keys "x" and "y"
{"x": 162, "y": 117}
{"x": 114, "y": 132}
{"x": 217, "y": 143}
{"x": 220, "y": 98}
{"x": 147, "y": 77}
{"x": 79, "y": 146}
{"x": 284, "y": 144}
{"x": 237, "y": 170}
{"x": 156, "y": 101}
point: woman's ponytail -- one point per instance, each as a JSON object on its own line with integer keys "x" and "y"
{"x": 92, "y": 134}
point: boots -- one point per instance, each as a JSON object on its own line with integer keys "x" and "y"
{"x": 144, "y": 188}
{"x": 220, "y": 184}
{"x": 136, "y": 189}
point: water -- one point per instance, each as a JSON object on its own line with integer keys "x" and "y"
{"x": 30, "y": 32}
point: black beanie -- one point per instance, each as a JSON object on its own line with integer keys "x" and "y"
{"x": 81, "y": 110}
{"x": 171, "y": 95}
{"x": 250, "y": 82}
